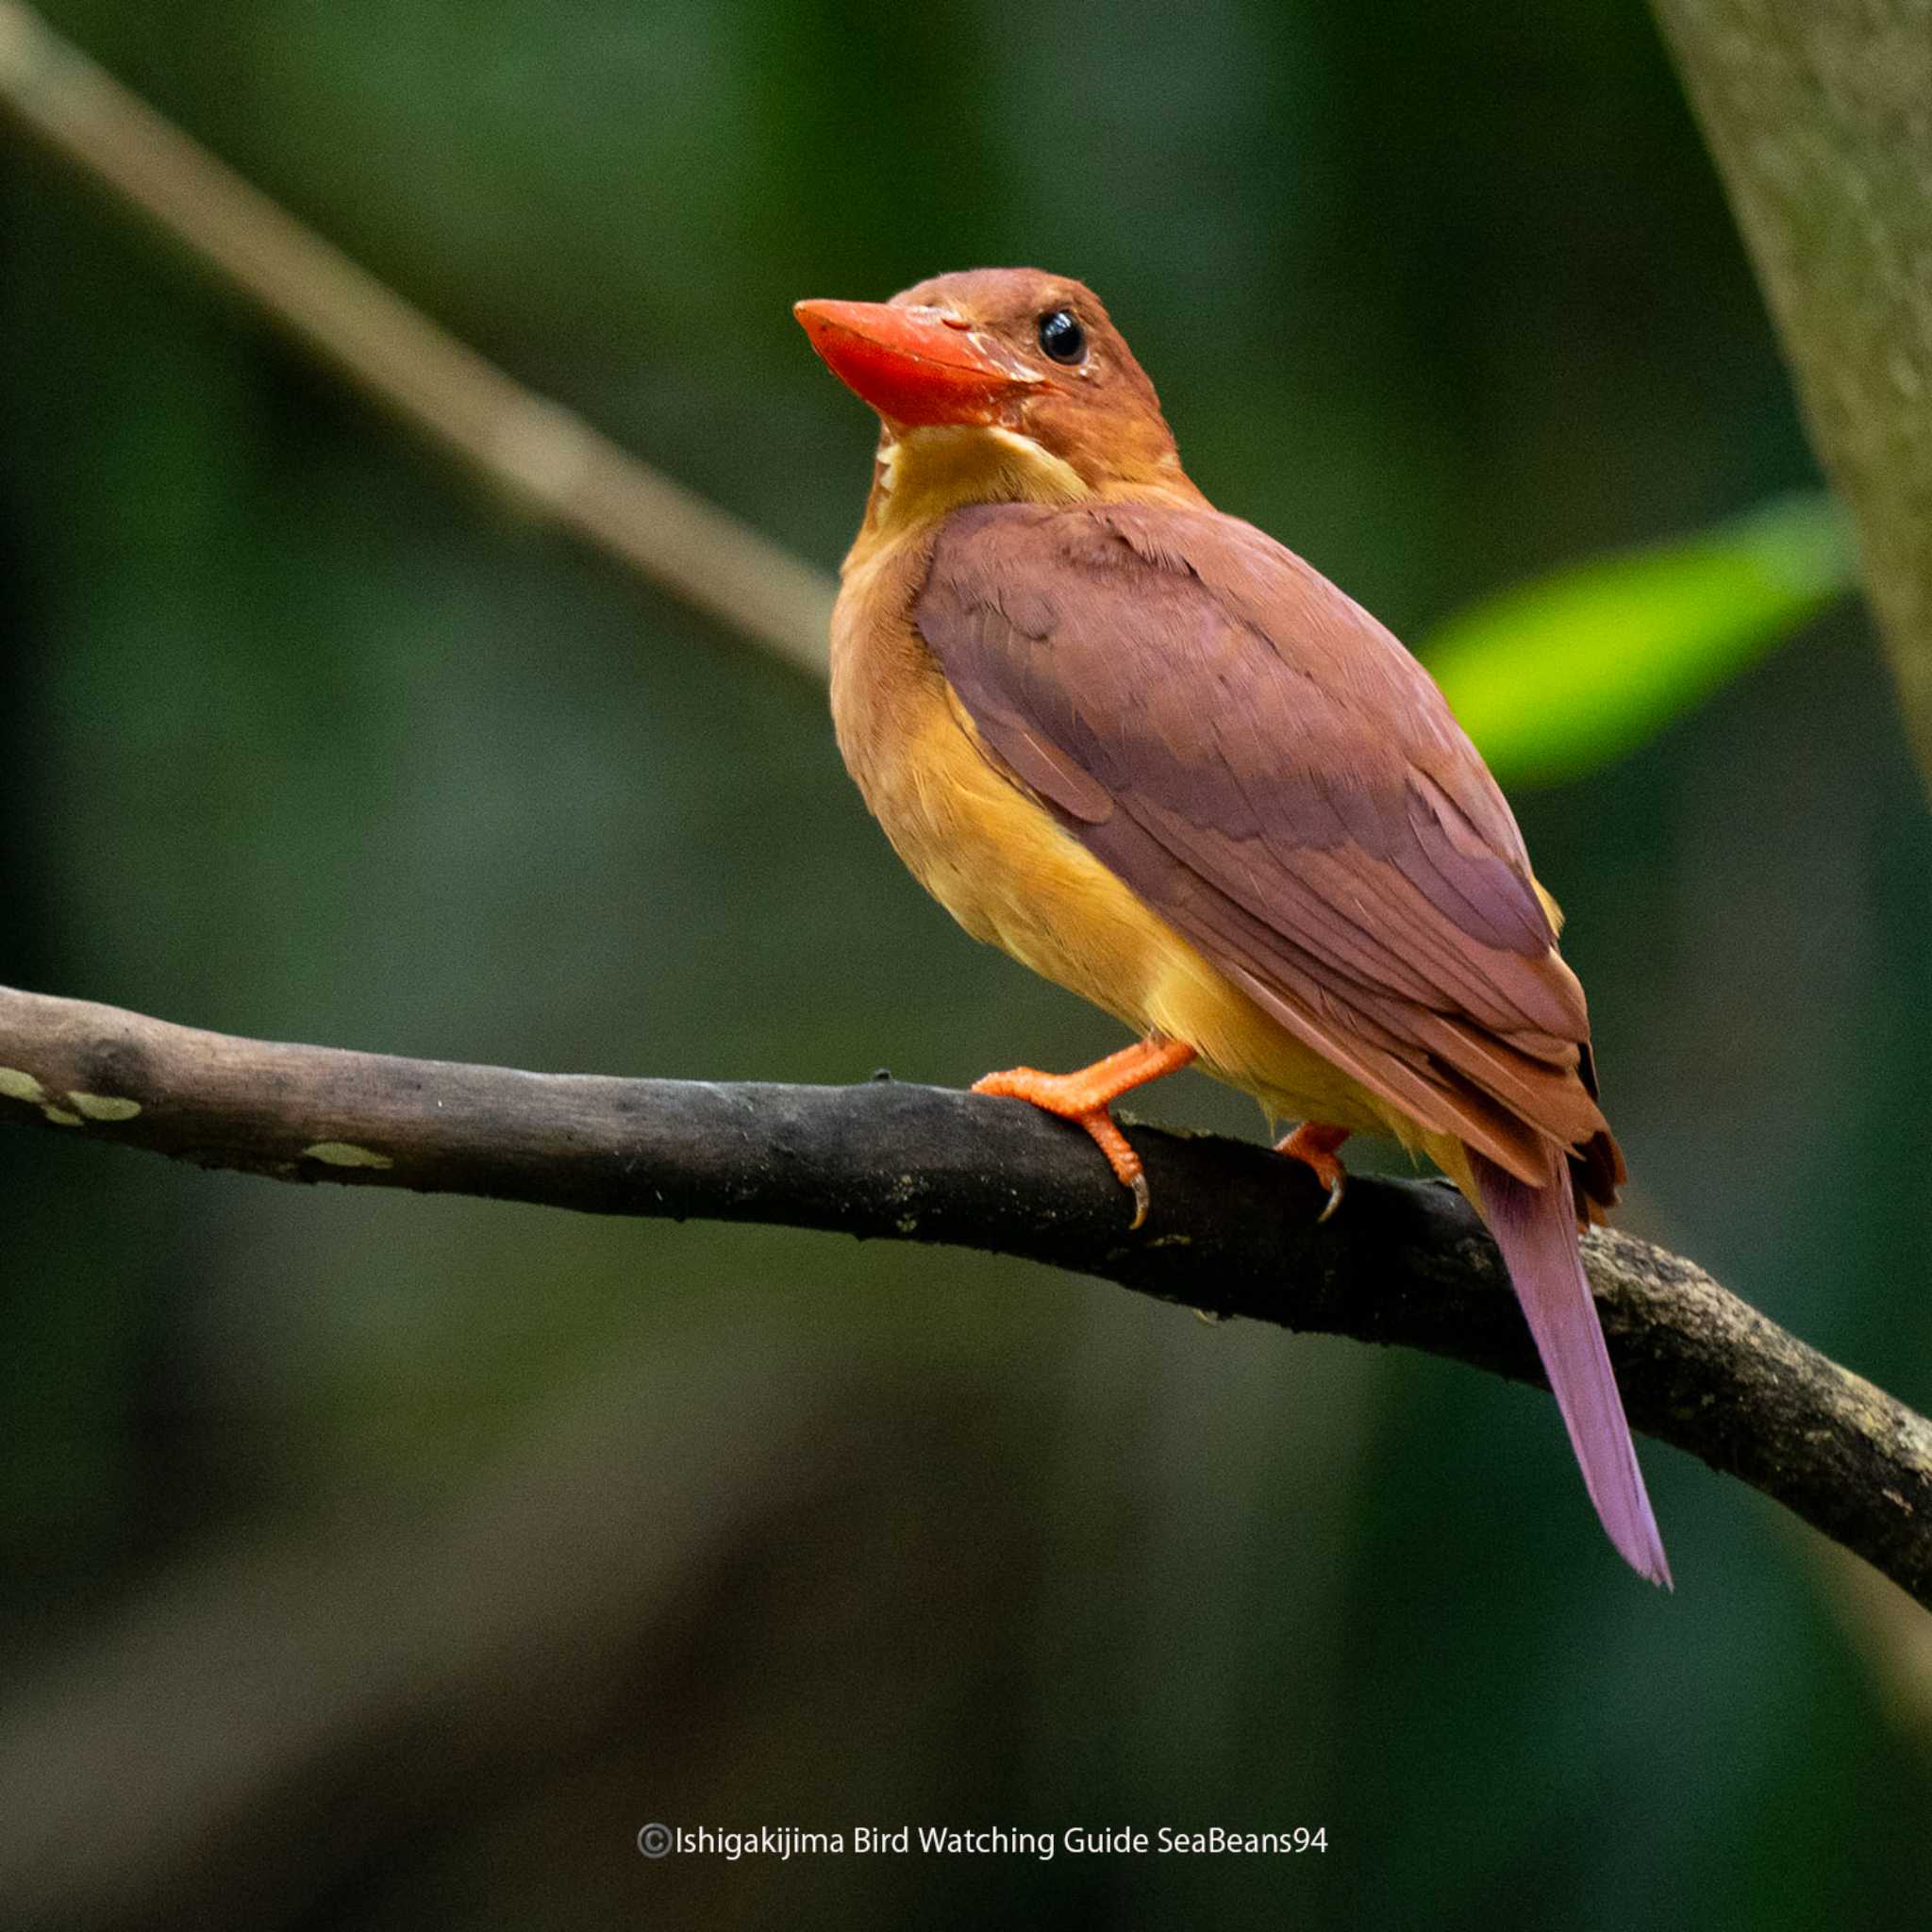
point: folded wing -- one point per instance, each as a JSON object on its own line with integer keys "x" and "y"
{"x": 1268, "y": 768}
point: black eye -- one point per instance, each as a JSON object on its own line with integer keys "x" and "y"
{"x": 1062, "y": 336}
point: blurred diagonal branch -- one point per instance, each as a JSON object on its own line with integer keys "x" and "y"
{"x": 1234, "y": 1229}
{"x": 1817, "y": 117}
{"x": 540, "y": 453}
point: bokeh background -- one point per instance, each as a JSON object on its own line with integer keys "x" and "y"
{"x": 389, "y": 1561}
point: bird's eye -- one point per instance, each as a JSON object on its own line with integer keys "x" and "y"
{"x": 1062, "y": 336}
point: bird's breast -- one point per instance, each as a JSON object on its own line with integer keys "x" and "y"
{"x": 992, "y": 855}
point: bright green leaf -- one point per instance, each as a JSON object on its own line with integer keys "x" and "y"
{"x": 1557, "y": 677}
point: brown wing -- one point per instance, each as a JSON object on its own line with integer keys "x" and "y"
{"x": 1271, "y": 771}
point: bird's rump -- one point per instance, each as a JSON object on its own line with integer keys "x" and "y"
{"x": 1267, "y": 768}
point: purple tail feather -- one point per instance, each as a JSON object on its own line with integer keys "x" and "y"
{"x": 1536, "y": 1229}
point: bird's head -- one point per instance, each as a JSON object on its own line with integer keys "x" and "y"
{"x": 1002, "y": 383}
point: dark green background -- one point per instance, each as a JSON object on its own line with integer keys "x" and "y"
{"x": 387, "y": 1562}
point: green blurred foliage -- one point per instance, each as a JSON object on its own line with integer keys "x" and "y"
{"x": 1570, "y": 670}
{"x": 1558, "y": 676}
{"x": 304, "y": 736}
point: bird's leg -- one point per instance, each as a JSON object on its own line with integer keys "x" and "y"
{"x": 1316, "y": 1145}
{"x": 1083, "y": 1097}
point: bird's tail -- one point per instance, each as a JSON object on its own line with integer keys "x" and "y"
{"x": 1536, "y": 1229}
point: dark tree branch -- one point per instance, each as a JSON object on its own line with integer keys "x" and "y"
{"x": 1233, "y": 1230}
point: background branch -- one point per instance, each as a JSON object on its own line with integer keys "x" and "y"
{"x": 1233, "y": 1230}
{"x": 535, "y": 449}
{"x": 1816, "y": 115}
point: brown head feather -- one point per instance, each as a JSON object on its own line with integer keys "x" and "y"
{"x": 1099, "y": 415}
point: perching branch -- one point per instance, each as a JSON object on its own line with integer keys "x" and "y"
{"x": 1233, "y": 1230}
{"x": 1816, "y": 115}
{"x": 532, "y": 449}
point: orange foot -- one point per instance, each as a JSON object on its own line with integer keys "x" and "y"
{"x": 1084, "y": 1097}
{"x": 1316, "y": 1145}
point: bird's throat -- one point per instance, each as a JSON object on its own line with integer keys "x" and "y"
{"x": 922, "y": 474}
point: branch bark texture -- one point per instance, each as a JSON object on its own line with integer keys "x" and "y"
{"x": 1820, "y": 115}
{"x": 1233, "y": 1230}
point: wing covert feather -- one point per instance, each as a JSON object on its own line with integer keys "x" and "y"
{"x": 1267, "y": 768}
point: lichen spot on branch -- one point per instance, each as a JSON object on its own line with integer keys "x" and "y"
{"x": 104, "y": 1106}
{"x": 345, "y": 1154}
{"x": 17, "y": 1085}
